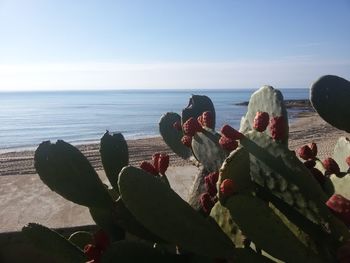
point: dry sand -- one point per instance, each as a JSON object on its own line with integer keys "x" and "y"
{"x": 308, "y": 127}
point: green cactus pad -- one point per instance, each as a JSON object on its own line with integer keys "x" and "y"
{"x": 114, "y": 156}
{"x": 329, "y": 96}
{"x": 65, "y": 170}
{"x": 341, "y": 185}
{"x": 171, "y": 136}
{"x": 207, "y": 150}
{"x": 266, "y": 99}
{"x": 53, "y": 244}
{"x": 136, "y": 251}
{"x": 237, "y": 168}
{"x": 104, "y": 218}
{"x": 81, "y": 238}
{"x": 341, "y": 152}
{"x": 124, "y": 218}
{"x": 275, "y": 159}
{"x": 223, "y": 218}
{"x": 267, "y": 231}
{"x": 196, "y": 106}
{"x": 197, "y": 189}
{"x": 164, "y": 213}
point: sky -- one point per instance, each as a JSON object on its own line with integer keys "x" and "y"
{"x": 177, "y": 44}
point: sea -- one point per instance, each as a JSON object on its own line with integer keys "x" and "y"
{"x": 80, "y": 117}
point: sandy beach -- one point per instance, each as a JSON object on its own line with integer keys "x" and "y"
{"x": 307, "y": 127}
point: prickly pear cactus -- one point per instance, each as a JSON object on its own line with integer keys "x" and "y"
{"x": 172, "y": 136}
{"x": 341, "y": 152}
{"x": 188, "y": 229}
{"x": 65, "y": 169}
{"x": 266, "y": 99}
{"x": 329, "y": 96}
{"x": 114, "y": 156}
{"x": 196, "y": 106}
{"x": 259, "y": 203}
{"x": 207, "y": 150}
{"x": 53, "y": 243}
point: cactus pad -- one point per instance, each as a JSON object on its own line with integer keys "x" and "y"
{"x": 171, "y": 136}
{"x": 237, "y": 168}
{"x": 104, "y": 218}
{"x": 269, "y": 232}
{"x": 330, "y": 96}
{"x": 207, "y": 150}
{"x": 196, "y": 106}
{"x": 114, "y": 156}
{"x": 223, "y": 218}
{"x": 279, "y": 170}
{"x": 168, "y": 216}
{"x": 266, "y": 99}
{"x": 81, "y": 238}
{"x": 65, "y": 170}
{"x": 341, "y": 152}
{"x": 53, "y": 244}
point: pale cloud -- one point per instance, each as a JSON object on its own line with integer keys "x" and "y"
{"x": 283, "y": 73}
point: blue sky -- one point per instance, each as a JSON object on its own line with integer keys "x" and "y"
{"x": 171, "y": 44}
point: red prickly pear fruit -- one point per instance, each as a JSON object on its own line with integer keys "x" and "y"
{"x": 206, "y": 202}
{"x": 343, "y": 253}
{"x": 340, "y": 206}
{"x": 213, "y": 177}
{"x": 228, "y": 144}
{"x": 177, "y": 126}
{"x": 187, "y": 140}
{"x": 191, "y": 126}
{"x": 227, "y": 188}
{"x": 163, "y": 163}
{"x": 347, "y": 160}
{"x": 101, "y": 240}
{"x": 310, "y": 164}
{"x": 261, "y": 121}
{"x": 305, "y": 152}
{"x": 92, "y": 252}
{"x": 210, "y": 183}
{"x": 207, "y": 119}
{"x": 331, "y": 166}
{"x": 313, "y": 147}
{"x": 278, "y": 128}
{"x": 231, "y": 133}
{"x": 155, "y": 159}
{"x": 148, "y": 167}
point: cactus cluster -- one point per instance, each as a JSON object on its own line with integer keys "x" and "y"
{"x": 254, "y": 199}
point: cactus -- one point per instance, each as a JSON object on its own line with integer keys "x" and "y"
{"x": 207, "y": 150}
{"x": 329, "y": 96}
{"x": 114, "y": 156}
{"x": 53, "y": 244}
{"x": 81, "y": 238}
{"x": 196, "y": 106}
{"x": 257, "y": 103}
{"x": 171, "y": 136}
{"x": 65, "y": 169}
{"x": 188, "y": 229}
{"x": 270, "y": 206}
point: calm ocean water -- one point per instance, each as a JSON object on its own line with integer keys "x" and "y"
{"x": 27, "y": 118}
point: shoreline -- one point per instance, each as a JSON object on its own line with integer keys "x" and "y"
{"x": 305, "y": 127}
{"x": 22, "y": 162}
